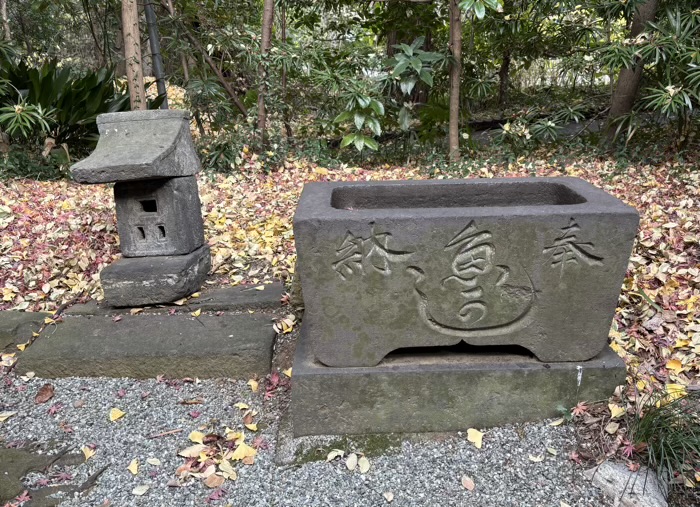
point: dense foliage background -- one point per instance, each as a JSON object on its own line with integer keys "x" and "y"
{"x": 358, "y": 81}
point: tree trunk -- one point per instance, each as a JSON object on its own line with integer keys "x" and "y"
{"x": 154, "y": 40}
{"x": 132, "y": 54}
{"x": 6, "y": 33}
{"x": 455, "y": 78}
{"x": 283, "y": 29}
{"x": 265, "y": 43}
{"x": 183, "y": 58}
{"x": 503, "y": 75}
{"x": 628, "y": 81}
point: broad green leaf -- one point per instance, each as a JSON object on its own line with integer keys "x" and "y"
{"x": 426, "y": 77}
{"x": 359, "y": 142}
{"x": 359, "y": 120}
{"x": 371, "y": 143}
{"x": 377, "y": 107}
{"x": 347, "y": 140}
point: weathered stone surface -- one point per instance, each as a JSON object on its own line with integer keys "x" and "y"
{"x": 441, "y": 392}
{"x": 159, "y": 217}
{"x": 144, "y": 346}
{"x": 17, "y": 327}
{"x": 139, "y": 145}
{"x": 627, "y": 488}
{"x": 534, "y": 262}
{"x": 139, "y": 281}
{"x": 225, "y": 299}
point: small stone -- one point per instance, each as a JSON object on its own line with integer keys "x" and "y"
{"x": 628, "y": 488}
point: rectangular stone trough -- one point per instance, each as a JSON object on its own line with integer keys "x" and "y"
{"x": 535, "y": 262}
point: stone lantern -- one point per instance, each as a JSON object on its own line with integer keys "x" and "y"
{"x": 152, "y": 161}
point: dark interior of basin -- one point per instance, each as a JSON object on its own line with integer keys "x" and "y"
{"x": 516, "y": 193}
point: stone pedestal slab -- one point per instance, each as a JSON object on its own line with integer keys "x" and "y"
{"x": 441, "y": 392}
{"x": 139, "y": 281}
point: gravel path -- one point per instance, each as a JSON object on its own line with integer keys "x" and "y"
{"x": 420, "y": 471}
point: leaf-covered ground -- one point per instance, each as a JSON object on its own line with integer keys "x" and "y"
{"x": 56, "y": 236}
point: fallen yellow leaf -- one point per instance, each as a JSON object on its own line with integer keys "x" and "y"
{"x": 536, "y": 459}
{"x": 197, "y": 313}
{"x": 115, "y": 414}
{"x": 475, "y": 437}
{"x": 243, "y": 451}
{"x": 197, "y": 437}
{"x": 674, "y": 365}
{"x": 616, "y": 410}
{"x": 227, "y": 470}
{"x": 253, "y": 385}
{"x": 133, "y": 466}
{"x": 22, "y": 346}
{"x": 557, "y": 422}
{"x": 4, "y": 416}
{"x": 88, "y": 452}
{"x": 241, "y": 405}
{"x": 252, "y": 427}
{"x": 153, "y": 462}
{"x": 288, "y": 372}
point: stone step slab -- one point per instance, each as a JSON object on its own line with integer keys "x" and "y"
{"x": 145, "y": 346}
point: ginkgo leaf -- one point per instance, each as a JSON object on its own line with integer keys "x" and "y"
{"x": 193, "y": 451}
{"x": 536, "y": 459}
{"x": 288, "y": 372}
{"x": 552, "y": 451}
{"x": 197, "y": 312}
{"x": 197, "y": 437}
{"x": 612, "y": 427}
{"x": 557, "y": 422}
{"x": 88, "y": 452}
{"x": 243, "y": 451}
{"x": 141, "y": 490}
{"x": 674, "y": 365}
{"x": 252, "y": 427}
{"x": 4, "y": 416}
{"x": 351, "y": 462}
{"x": 153, "y": 461}
{"x": 468, "y": 483}
{"x": 241, "y": 405}
{"x": 475, "y": 437}
{"x": 22, "y": 346}
{"x": 227, "y": 470}
{"x": 133, "y": 466}
{"x": 363, "y": 463}
{"x": 253, "y": 385}
{"x": 115, "y": 414}
{"x": 616, "y": 410}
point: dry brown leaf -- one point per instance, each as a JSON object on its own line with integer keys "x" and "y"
{"x": 44, "y": 394}
{"x": 214, "y": 481}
